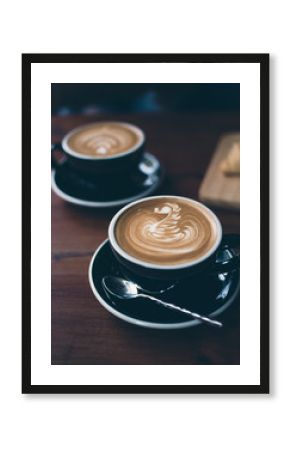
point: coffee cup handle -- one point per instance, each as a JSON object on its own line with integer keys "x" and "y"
{"x": 228, "y": 254}
{"x": 55, "y": 162}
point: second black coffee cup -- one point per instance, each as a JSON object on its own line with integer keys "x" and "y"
{"x": 103, "y": 147}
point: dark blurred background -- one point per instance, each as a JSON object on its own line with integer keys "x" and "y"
{"x": 94, "y": 98}
{"x": 182, "y": 124}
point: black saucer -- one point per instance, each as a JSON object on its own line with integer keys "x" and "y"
{"x": 107, "y": 191}
{"x": 207, "y": 294}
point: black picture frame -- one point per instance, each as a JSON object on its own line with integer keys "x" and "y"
{"x": 263, "y": 61}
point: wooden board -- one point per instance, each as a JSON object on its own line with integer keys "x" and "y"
{"x": 218, "y": 189}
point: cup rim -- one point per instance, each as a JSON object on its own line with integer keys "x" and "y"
{"x": 148, "y": 265}
{"x": 134, "y": 128}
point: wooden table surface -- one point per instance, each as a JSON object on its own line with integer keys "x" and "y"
{"x": 83, "y": 332}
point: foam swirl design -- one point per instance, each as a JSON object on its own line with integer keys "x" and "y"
{"x": 166, "y": 232}
{"x": 105, "y": 139}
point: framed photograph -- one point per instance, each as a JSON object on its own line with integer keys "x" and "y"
{"x": 145, "y": 223}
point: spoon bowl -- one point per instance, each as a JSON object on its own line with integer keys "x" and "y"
{"x": 119, "y": 287}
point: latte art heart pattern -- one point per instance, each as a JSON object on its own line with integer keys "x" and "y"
{"x": 168, "y": 232}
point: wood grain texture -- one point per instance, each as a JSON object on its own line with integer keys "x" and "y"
{"x": 83, "y": 332}
{"x": 217, "y": 188}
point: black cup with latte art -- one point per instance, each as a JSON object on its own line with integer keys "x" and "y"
{"x": 167, "y": 238}
{"x": 103, "y": 147}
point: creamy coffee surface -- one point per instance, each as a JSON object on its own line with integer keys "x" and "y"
{"x": 166, "y": 231}
{"x": 103, "y": 139}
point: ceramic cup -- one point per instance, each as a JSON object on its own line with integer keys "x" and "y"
{"x": 221, "y": 257}
{"x": 98, "y": 165}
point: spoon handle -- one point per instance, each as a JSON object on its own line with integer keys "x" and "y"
{"x": 204, "y": 319}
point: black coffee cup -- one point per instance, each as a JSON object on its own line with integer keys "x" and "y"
{"x": 101, "y": 165}
{"x": 222, "y": 257}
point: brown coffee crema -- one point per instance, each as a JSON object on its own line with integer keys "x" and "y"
{"x": 103, "y": 139}
{"x": 166, "y": 231}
